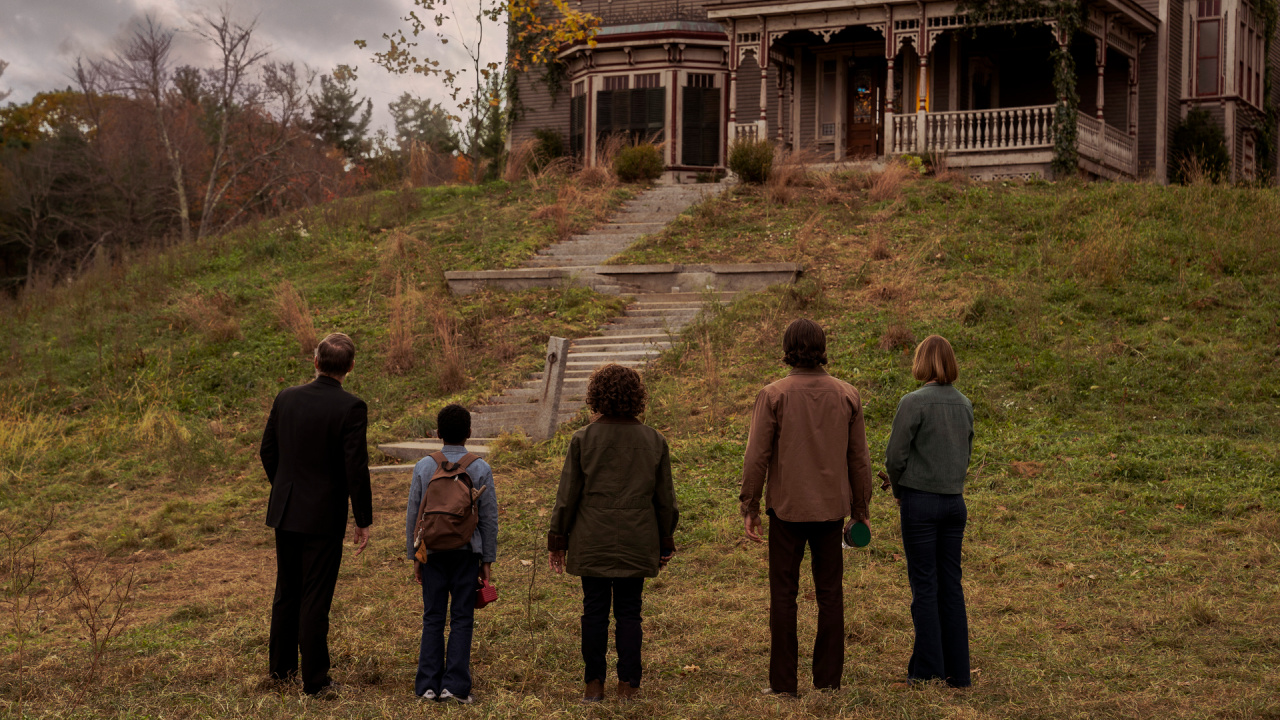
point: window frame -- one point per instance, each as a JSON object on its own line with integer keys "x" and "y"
{"x": 1208, "y": 12}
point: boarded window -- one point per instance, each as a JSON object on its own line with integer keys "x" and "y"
{"x": 637, "y": 114}
{"x": 701, "y": 126}
{"x": 827, "y": 99}
{"x": 578, "y": 125}
{"x": 648, "y": 80}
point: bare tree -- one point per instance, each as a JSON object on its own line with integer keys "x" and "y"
{"x": 26, "y": 602}
{"x": 242, "y": 90}
{"x": 101, "y": 600}
{"x": 141, "y": 69}
{"x": 4, "y": 93}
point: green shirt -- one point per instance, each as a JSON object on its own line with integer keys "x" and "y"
{"x": 931, "y": 441}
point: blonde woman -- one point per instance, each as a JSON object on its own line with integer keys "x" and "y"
{"x": 927, "y": 459}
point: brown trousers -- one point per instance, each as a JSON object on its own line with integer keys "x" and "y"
{"x": 786, "y": 550}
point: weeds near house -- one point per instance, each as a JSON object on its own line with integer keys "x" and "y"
{"x": 295, "y": 316}
{"x": 888, "y": 184}
{"x": 519, "y": 160}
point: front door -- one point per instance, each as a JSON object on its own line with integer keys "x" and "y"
{"x": 865, "y": 110}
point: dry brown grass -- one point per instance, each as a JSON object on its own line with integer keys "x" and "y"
{"x": 451, "y": 376}
{"x": 400, "y": 356}
{"x": 888, "y": 184}
{"x": 213, "y": 316}
{"x": 790, "y": 170}
{"x": 295, "y": 316}
{"x": 1104, "y": 257}
{"x": 879, "y": 249}
{"x": 596, "y": 176}
{"x": 519, "y": 160}
{"x": 608, "y": 149}
{"x": 428, "y": 167}
{"x": 897, "y": 336}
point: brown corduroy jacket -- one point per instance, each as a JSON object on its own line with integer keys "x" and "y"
{"x": 809, "y": 440}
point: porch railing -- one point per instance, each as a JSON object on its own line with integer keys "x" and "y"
{"x": 1106, "y": 145}
{"x": 1008, "y": 129}
{"x": 749, "y": 131}
{"x": 974, "y": 130}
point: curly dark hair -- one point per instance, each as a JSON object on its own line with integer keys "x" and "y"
{"x": 616, "y": 390}
{"x": 804, "y": 344}
{"x": 453, "y": 424}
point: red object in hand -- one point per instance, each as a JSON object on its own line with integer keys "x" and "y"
{"x": 485, "y": 594}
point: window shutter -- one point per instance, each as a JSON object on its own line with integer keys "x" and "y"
{"x": 701, "y": 127}
{"x": 604, "y": 113}
{"x": 577, "y": 125}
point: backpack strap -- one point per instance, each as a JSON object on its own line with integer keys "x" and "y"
{"x": 467, "y": 459}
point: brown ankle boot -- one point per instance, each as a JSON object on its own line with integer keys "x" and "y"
{"x": 625, "y": 691}
{"x": 594, "y": 692}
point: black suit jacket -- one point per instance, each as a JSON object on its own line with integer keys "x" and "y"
{"x": 315, "y": 454}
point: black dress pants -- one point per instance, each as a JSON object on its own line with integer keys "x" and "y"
{"x": 786, "y": 551}
{"x": 306, "y": 573}
{"x": 627, "y": 595}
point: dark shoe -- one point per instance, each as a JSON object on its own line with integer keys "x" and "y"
{"x": 594, "y": 692}
{"x": 328, "y": 692}
{"x": 626, "y": 693}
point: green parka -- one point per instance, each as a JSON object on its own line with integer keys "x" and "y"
{"x": 615, "y": 510}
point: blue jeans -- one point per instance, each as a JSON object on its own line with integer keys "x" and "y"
{"x": 453, "y": 574}
{"x": 932, "y": 533}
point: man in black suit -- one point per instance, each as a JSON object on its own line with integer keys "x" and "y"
{"x": 315, "y": 455}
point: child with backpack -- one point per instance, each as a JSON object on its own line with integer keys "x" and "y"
{"x": 451, "y": 534}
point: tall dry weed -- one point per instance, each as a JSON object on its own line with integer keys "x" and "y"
{"x": 451, "y": 376}
{"x": 428, "y": 167}
{"x": 295, "y": 316}
{"x": 400, "y": 329}
{"x": 608, "y": 148}
{"x": 596, "y": 176}
{"x": 211, "y": 316}
{"x": 889, "y": 183}
{"x": 519, "y": 161}
{"x": 789, "y": 170}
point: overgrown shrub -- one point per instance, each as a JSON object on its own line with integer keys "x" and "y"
{"x": 548, "y": 145}
{"x": 638, "y": 162}
{"x": 751, "y": 160}
{"x": 1199, "y": 150}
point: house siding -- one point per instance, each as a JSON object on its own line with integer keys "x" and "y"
{"x": 1177, "y": 83}
{"x": 539, "y": 109}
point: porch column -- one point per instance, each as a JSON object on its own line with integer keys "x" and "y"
{"x": 922, "y": 96}
{"x": 782, "y": 86}
{"x": 733, "y": 82}
{"x": 797, "y": 81}
{"x": 764, "y": 82}
{"x": 922, "y": 86}
{"x": 1102, "y": 65}
{"x": 1133, "y": 97}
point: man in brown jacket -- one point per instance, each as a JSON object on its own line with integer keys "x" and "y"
{"x": 809, "y": 440}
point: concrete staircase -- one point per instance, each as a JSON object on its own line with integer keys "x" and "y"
{"x": 646, "y": 327}
{"x": 648, "y": 213}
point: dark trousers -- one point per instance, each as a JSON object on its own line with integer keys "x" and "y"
{"x": 449, "y": 582}
{"x": 786, "y": 550}
{"x": 932, "y": 534}
{"x": 626, "y": 595}
{"x": 306, "y": 573}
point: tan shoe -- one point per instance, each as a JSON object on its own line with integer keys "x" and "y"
{"x": 594, "y": 692}
{"x": 625, "y": 691}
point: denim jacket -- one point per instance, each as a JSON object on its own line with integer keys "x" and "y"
{"x": 485, "y": 540}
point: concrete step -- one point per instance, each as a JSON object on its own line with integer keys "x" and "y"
{"x": 671, "y": 312}
{"x": 603, "y": 340}
{"x": 650, "y": 323}
{"x": 622, "y": 347}
{"x": 567, "y": 261}
{"x": 618, "y": 356}
{"x": 633, "y": 224}
{"x": 415, "y": 450}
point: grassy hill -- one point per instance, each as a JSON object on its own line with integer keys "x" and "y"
{"x": 1120, "y": 344}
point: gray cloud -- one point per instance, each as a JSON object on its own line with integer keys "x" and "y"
{"x": 42, "y": 38}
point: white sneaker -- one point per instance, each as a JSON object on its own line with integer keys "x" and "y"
{"x": 428, "y": 695}
{"x": 446, "y": 696}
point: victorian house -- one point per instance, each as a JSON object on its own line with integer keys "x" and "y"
{"x": 850, "y": 79}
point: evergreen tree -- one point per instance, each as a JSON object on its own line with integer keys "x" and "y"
{"x": 424, "y": 121}
{"x": 334, "y": 115}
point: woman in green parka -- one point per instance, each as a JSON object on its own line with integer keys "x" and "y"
{"x": 615, "y": 516}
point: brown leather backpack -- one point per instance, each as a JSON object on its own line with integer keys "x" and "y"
{"x": 447, "y": 516}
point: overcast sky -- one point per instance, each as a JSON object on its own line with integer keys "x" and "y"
{"x": 42, "y": 38}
